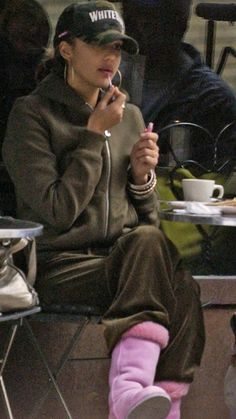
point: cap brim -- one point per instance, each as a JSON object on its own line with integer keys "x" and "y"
{"x": 129, "y": 44}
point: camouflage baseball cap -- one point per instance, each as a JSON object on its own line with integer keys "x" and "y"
{"x": 93, "y": 21}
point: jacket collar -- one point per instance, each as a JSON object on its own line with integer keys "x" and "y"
{"x": 53, "y": 87}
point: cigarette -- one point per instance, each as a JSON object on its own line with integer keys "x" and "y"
{"x": 150, "y": 127}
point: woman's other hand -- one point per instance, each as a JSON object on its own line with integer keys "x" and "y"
{"x": 144, "y": 157}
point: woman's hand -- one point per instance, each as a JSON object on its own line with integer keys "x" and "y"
{"x": 108, "y": 112}
{"x": 144, "y": 157}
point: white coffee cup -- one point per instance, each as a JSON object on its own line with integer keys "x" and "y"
{"x": 201, "y": 190}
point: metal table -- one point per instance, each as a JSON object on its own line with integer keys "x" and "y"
{"x": 210, "y": 219}
{"x": 12, "y": 228}
{"x": 216, "y": 220}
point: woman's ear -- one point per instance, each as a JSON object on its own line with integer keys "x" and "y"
{"x": 65, "y": 50}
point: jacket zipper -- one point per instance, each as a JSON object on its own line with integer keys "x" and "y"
{"x": 107, "y": 203}
{"x": 107, "y": 198}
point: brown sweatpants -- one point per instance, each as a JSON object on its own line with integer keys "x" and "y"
{"x": 141, "y": 278}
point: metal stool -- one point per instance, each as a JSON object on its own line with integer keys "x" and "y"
{"x": 216, "y": 12}
{"x": 80, "y": 315}
{"x": 15, "y": 320}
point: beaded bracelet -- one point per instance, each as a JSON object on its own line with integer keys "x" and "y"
{"x": 142, "y": 190}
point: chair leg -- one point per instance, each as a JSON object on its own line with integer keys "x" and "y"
{"x": 6, "y": 400}
{"x": 3, "y": 362}
{"x": 53, "y": 375}
{"x": 73, "y": 341}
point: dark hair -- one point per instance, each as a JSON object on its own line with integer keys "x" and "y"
{"x": 172, "y": 15}
{"x": 158, "y": 26}
{"x": 53, "y": 61}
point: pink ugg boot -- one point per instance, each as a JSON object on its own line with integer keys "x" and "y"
{"x": 176, "y": 391}
{"x": 133, "y": 365}
{"x": 174, "y": 412}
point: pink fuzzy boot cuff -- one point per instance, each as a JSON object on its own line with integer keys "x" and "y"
{"x": 150, "y": 331}
{"x": 174, "y": 389}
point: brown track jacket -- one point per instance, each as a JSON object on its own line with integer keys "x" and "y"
{"x": 68, "y": 178}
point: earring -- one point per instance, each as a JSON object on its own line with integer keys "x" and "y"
{"x": 72, "y": 74}
{"x": 120, "y": 78}
{"x": 120, "y": 75}
{"x": 115, "y": 82}
{"x": 65, "y": 72}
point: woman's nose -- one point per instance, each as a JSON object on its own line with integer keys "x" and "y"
{"x": 111, "y": 52}
{"x": 110, "y": 56}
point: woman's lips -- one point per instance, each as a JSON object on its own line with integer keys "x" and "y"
{"x": 108, "y": 73}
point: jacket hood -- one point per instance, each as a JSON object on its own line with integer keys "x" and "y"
{"x": 53, "y": 87}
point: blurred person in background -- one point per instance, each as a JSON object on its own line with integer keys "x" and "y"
{"x": 24, "y": 35}
{"x": 168, "y": 80}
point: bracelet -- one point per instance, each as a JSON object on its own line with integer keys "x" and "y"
{"x": 152, "y": 177}
{"x": 141, "y": 190}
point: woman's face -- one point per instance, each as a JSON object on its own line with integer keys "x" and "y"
{"x": 93, "y": 65}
